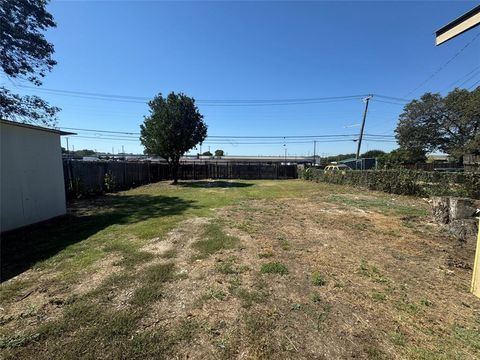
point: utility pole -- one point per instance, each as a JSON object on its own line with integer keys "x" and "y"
{"x": 123, "y": 150}
{"x": 314, "y": 152}
{"x": 68, "y": 152}
{"x": 367, "y": 99}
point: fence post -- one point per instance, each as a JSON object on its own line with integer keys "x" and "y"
{"x": 476, "y": 267}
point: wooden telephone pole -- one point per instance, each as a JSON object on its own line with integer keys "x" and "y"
{"x": 367, "y": 99}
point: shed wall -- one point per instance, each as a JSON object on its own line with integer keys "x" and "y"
{"x": 31, "y": 177}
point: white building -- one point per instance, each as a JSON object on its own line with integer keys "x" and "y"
{"x": 32, "y": 186}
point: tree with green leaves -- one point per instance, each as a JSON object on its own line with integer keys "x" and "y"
{"x": 206, "y": 153}
{"x": 173, "y": 127}
{"x": 25, "y": 54}
{"x": 434, "y": 123}
{"x": 219, "y": 153}
{"x": 373, "y": 154}
{"x": 400, "y": 156}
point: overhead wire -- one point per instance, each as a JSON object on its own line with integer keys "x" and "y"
{"x": 444, "y": 65}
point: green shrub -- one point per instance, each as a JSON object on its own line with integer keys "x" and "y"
{"x": 402, "y": 181}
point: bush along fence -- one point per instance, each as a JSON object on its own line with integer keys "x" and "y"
{"x": 87, "y": 178}
{"x": 402, "y": 181}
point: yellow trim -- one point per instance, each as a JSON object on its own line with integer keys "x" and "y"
{"x": 476, "y": 267}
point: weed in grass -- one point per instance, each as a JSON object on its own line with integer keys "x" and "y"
{"x": 374, "y": 353}
{"x": 274, "y": 268}
{"x": 17, "y": 340}
{"x": 405, "y": 305}
{"x": 181, "y": 275}
{"x": 187, "y": 329}
{"x": 378, "y": 296}
{"x": 426, "y": 302}
{"x": 397, "y": 338}
{"x": 316, "y": 298}
{"x": 214, "y": 293}
{"x": 372, "y": 272}
{"x": 284, "y": 243}
{"x": 295, "y": 306}
{"x": 265, "y": 255}
{"x": 469, "y": 336}
{"x": 234, "y": 283}
{"x": 228, "y": 267}
{"x": 318, "y": 279}
{"x": 214, "y": 240}
{"x": 321, "y": 316}
{"x": 249, "y": 298}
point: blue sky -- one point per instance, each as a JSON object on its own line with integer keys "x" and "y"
{"x": 247, "y": 50}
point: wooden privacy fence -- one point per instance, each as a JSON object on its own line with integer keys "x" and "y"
{"x": 95, "y": 177}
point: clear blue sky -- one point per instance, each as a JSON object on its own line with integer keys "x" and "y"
{"x": 246, "y": 50}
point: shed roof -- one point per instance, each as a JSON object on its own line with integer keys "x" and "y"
{"x": 35, "y": 127}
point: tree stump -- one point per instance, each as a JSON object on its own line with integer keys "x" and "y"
{"x": 441, "y": 209}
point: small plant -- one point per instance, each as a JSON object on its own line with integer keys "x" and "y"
{"x": 397, "y": 338}
{"x": 274, "y": 268}
{"x": 264, "y": 255}
{"x": 228, "y": 267}
{"x": 426, "y": 302}
{"x": 316, "y": 298}
{"x": 318, "y": 279}
{"x": 214, "y": 293}
{"x": 379, "y": 296}
{"x": 109, "y": 182}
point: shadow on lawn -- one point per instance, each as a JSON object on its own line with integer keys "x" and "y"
{"x": 214, "y": 184}
{"x": 22, "y": 248}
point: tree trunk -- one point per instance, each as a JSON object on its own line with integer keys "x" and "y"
{"x": 175, "y": 172}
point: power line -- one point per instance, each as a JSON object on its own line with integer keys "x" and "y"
{"x": 444, "y": 65}
{"x": 209, "y": 102}
{"x": 389, "y": 102}
{"x": 470, "y": 78}
{"x": 475, "y": 84}
{"x": 228, "y": 136}
{"x": 235, "y": 143}
{"x": 474, "y": 70}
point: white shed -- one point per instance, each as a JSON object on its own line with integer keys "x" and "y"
{"x": 32, "y": 186}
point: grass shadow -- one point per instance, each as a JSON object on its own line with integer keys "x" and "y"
{"x": 21, "y": 249}
{"x": 214, "y": 184}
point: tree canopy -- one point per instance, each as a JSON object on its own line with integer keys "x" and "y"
{"x": 219, "y": 152}
{"x": 173, "y": 127}
{"x": 434, "y": 123}
{"x": 373, "y": 154}
{"x": 25, "y": 54}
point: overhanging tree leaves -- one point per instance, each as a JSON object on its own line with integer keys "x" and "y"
{"x": 173, "y": 127}
{"x": 435, "y": 123}
{"x": 27, "y": 55}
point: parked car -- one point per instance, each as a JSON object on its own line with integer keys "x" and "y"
{"x": 337, "y": 167}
